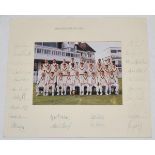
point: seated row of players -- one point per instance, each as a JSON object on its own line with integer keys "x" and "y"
{"x": 59, "y": 78}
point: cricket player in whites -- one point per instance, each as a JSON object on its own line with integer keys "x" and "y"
{"x": 99, "y": 68}
{"x": 103, "y": 82}
{"x": 64, "y": 62}
{"x": 85, "y": 82}
{"x": 99, "y": 62}
{"x": 54, "y": 66}
{"x": 76, "y": 82}
{"x": 91, "y": 69}
{"x": 109, "y": 63}
{"x": 41, "y": 83}
{"x": 48, "y": 70}
{"x": 81, "y": 69}
{"x": 68, "y": 82}
{"x": 115, "y": 70}
{"x": 60, "y": 83}
{"x": 93, "y": 82}
{"x": 64, "y": 69}
{"x": 45, "y": 65}
{"x": 113, "y": 82}
{"x": 51, "y": 83}
{"x": 72, "y": 63}
{"x": 40, "y": 71}
{"x": 72, "y": 69}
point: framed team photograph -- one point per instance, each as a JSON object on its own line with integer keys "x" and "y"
{"x": 77, "y": 73}
{"x": 84, "y": 77}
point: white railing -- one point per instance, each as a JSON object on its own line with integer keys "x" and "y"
{"x": 44, "y": 52}
{"x": 116, "y": 55}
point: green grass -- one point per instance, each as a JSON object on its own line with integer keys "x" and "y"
{"x": 79, "y": 100}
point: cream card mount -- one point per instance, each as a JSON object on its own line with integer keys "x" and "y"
{"x": 78, "y": 77}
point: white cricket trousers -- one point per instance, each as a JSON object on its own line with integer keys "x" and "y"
{"x": 52, "y": 87}
{"x": 91, "y": 88}
{"x": 71, "y": 88}
{"x": 100, "y": 88}
{"x": 62, "y": 89}
{"x": 45, "y": 88}
{"x": 82, "y": 88}
{"x": 116, "y": 87}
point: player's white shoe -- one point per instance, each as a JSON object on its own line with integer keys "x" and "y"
{"x": 116, "y": 93}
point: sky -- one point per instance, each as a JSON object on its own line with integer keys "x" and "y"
{"x": 100, "y": 47}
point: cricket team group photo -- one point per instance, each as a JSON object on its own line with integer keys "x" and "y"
{"x": 76, "y": 73}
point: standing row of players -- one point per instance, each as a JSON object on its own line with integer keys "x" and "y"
{"x": 56, "y": 78}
